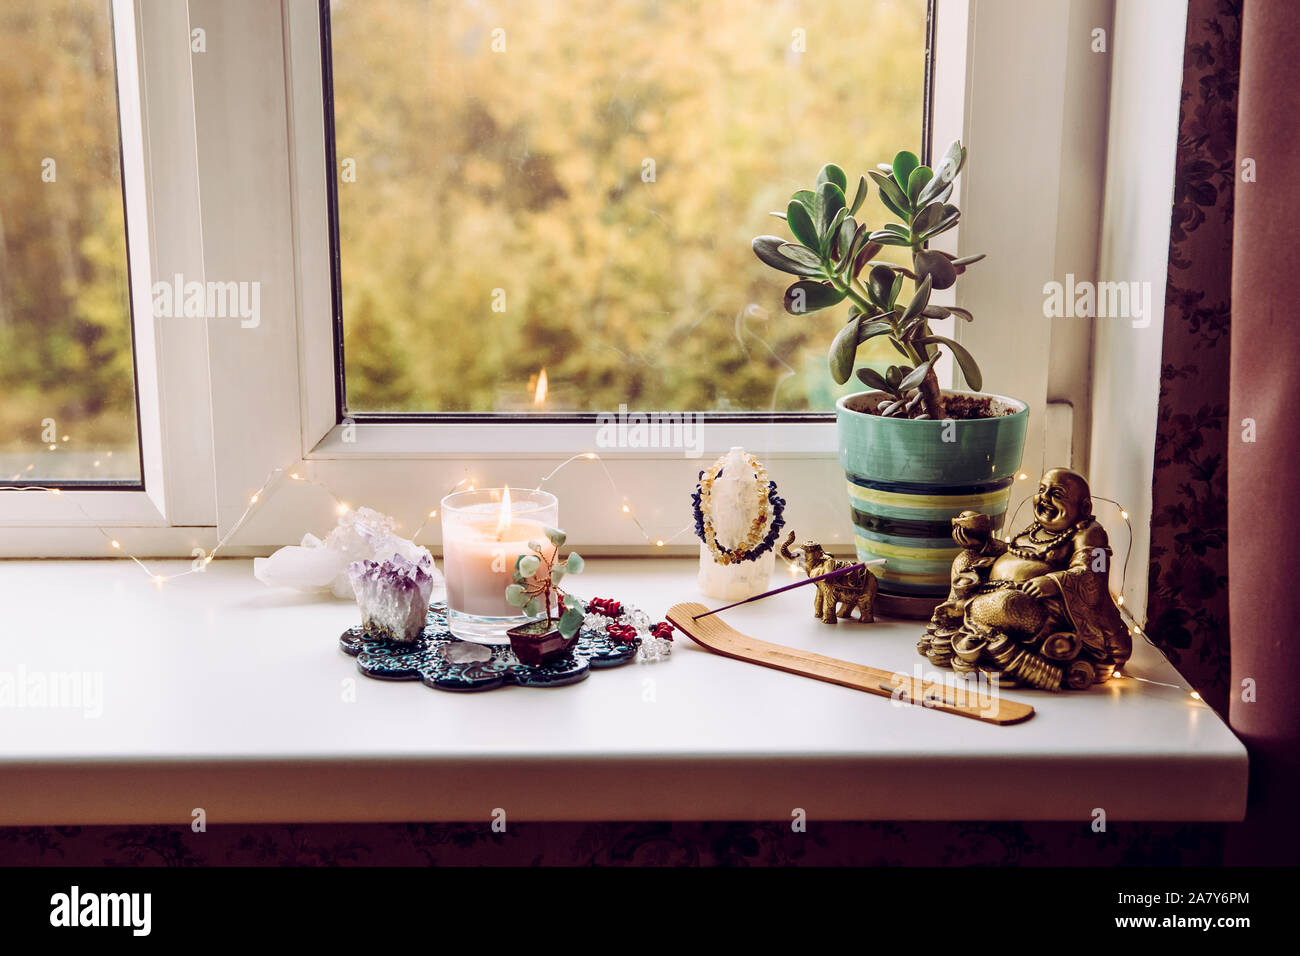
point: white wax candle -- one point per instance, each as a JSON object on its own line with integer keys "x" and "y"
{"x": 479, "y": 559}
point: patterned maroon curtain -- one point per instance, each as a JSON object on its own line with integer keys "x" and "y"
{"x": 1225, "y": 492}
{"x": 1187, "y": 608}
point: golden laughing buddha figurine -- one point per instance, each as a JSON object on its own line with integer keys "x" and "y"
{"x": 1036, "y": 609}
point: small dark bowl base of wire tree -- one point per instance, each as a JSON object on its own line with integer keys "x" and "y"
{"x": 443, "y": 661}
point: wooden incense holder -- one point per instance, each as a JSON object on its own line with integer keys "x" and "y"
{"x": 715, "y": 635}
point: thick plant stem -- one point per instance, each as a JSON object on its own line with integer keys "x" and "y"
{"x": 857, "y": 297}
{"x": 931, "y": 398}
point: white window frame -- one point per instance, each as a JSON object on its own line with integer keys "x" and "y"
{"x": 408, "y": 467}
{"x": 175, "y": 511}
{"x": 250, "y": 402}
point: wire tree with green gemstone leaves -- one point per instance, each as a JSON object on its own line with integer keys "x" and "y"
{"x": 831, "y": 250}
{"x": 535, "y": 586}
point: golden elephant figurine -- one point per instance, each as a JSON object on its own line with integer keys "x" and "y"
{"x": 837, "y": 597}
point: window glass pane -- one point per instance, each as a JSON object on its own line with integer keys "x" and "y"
{"x": 67, "y": 378}
{"x": 571, "y": 187}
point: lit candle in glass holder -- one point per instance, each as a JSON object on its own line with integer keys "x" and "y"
{"x": 483, "y": 533}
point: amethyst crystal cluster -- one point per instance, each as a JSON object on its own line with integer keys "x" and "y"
{"x": 393, "y": 595}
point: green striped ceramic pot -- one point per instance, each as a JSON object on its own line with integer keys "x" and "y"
{"x": 908, "y": 479}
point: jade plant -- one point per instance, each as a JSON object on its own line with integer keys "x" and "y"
{"x": 535, "y": 584}
{"x": 832, "y": 250}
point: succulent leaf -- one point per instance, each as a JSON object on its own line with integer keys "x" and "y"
{"x": 844, "y": 349}
{"x": 904, "y": 163}
{"x": 869, "y": 330}
{"x": 927, "y": 217}
{"x": 801, "y": 224}
{"x": 890, "y": 194}
{"x": 868, "y": 252}
{"x": 951, "y": 216}
{"x": 830, "y": 173}
{"x": 919, "y": 301}
{"x": 969, "y": 368}
{"x": 844, "y": 238}
{"x": 808, "y": 296}
{"x": 859, "y": 196}
{"x": 767, "y": 248}
{"x": 832, "y": 203}
{"x": 880, "y": 280}
{"x": 914, "y": 378}
{"x": 872, "y": 379}
{"x": 917, "y": 181}
{"x": 896, "y": 288}
{"x": 935, "y": 268}
{"x": 800, "y": 256}
{"x": 944, "y": 173}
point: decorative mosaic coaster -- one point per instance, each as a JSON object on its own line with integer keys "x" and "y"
{"x": 443, "y": 661}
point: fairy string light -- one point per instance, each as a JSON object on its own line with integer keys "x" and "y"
{"x": 625, "y": 508}
{"x": 297, "y": 476}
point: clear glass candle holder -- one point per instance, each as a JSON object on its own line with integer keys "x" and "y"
{"x": 483, "y": 532}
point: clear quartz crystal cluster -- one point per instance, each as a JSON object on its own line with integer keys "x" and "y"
{"x": 393, "y": 595}
{"x": 315, "y": 565}
{"x": 653, "y": 649}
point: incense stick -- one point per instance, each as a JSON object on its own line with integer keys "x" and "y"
{"x": 791, "y": 587}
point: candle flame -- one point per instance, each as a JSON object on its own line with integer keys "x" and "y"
{"x": 539, "y": 393}
{"x": 503, "y": 517}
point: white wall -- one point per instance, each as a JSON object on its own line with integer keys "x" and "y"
{"x": 1078, "y": 227}
{"x": 1146, "y": 81}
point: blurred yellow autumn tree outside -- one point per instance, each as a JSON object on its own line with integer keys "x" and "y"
{"x": 66, "y": 365}
{"x": 568, "y": 185}
{"x": 573, "y": 186}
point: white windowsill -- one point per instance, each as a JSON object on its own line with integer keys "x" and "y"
{"x": 697, "y": 440}
{"x": 223, "y": 694}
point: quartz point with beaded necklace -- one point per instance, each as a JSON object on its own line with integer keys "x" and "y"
{"x": 738, "y": 516}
